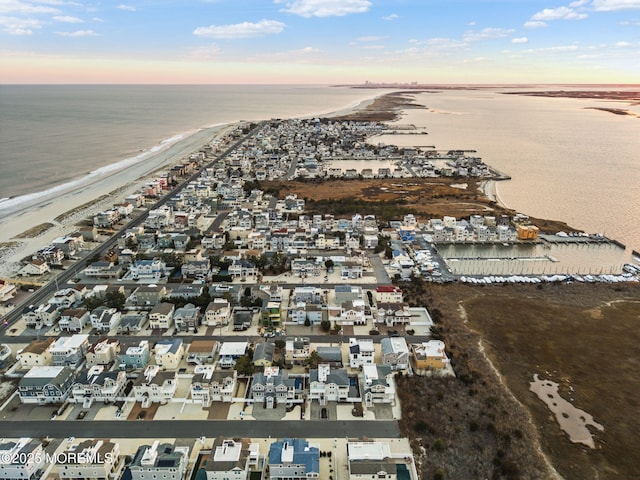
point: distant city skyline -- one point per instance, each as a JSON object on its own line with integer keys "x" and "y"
{"x": 319, "y": 41}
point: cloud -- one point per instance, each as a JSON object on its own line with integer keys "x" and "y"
{"x": 126, "y": 8}
{"x": 560, "y": 13}
{"x": 241, "y": 30}
{"x": 391, "y": 17}
{"x": 622, "y": 44}
{"x": 531, "y": 24}
{"x": 19, "y": 26}
{"x": 486, "y": 34}
{"x": 324, "y": 8}
{"x": 19, "y": 7}
{"x": 520, "y": 40}
{"x": 370, "y": 38}
{"x": 78, "y": 33}
{"x": 612, "y": 5}
{"x": 67, "y": 19}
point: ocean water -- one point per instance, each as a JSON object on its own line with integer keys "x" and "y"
{"x": 567, "y": 162}
{"x": 53, "y": 135}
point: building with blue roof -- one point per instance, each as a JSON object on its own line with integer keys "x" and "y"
{"x": 293, "y": 459}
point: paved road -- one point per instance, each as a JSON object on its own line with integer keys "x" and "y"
{"x": 198, "y": 428}
{"x": 46, "y": 291}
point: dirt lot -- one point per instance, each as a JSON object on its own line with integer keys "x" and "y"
{"x": 583, "y": 336}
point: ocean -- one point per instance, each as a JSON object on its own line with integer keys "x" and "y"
{"x": 567, "y": 162}
{"x": 52, "y": 135}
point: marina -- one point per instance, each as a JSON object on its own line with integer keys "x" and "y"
{"x": 569, "y": 257}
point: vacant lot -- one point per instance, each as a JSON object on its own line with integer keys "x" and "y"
{"x": 586, "y": 338}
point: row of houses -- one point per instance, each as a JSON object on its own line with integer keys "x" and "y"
{"x": 238, "y": 459}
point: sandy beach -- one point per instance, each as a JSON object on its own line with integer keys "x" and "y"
{"x": 112, "y": 188}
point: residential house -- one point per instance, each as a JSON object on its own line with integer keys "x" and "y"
{"x": 303, "y": 267}
{"x": 40, "y": 316}
{"x": 350, "y": 270}
{"x": 243, "y": 268}
{"x": 103, "y": 319}
{"x": 217, "y": 313}
{"x": 73, "y": 320}
{"x": 94, "y": 459}
{"x": 307, "y": 294}
{"x": 187, "y": 318}
{"x": 65, "y": 298}
{"x": 202, "y": 351}
{"x": 230, "y": 352}
{"x": 271, "y": 315}
{"x": 392, "y": 314}
{"x": 273, "y": 387}
{"x": 36, "y": 354}
{"x": 155, "y": 386}
{"x": 361, "y": 352}
{"x": 150, "y": 295}
{"x": 395, "y": 353}
{"x": 297, "y": 350}
{"x": 69, "y": 351}
{"x": 21, "y": 458}
{"x": 427, "y": 356}
{"x": 169, "y": 353}
{"x": 186, "y": 291}
{"x": 347, "y": 293}
{"x": 161, "y": 460}
{"x": 231, "y": 460}
{"x": 379, "y": 386}
{"x": 293, "y": 459}
{"x": 328, "y": 384}
{"x": 368, "y": 460}
{"x": 161, "y": 316}
{"x": 263, "y": 354}
{"x": 98, "y": 385}
{"x": 104, "y": 352}
{"x": 151, "y": 270}
{"x": 349, "y": 313}
{"x": 196, "y": 269}
{"x": 330, "y": 355}
{"x": 210, "y": 385}
{"x": 134, "y": 356}
{"x": 388, "y": 294}
{"x": 42, "y": 385}
{"x": 241, "y": 318}
{"x": 132, "y": 322}
{"x": 35, "y": 267}
{"x": 306, "y": 311}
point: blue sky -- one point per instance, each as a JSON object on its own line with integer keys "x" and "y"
{"x": 319, "y": 41}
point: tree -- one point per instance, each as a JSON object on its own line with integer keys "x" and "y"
{"x": 313, "y": 359}
{"x": 329, "y": 265}
{"x": 115, "y": 300}
{"x": 325, "y": 325}
{"x": 337, "y": 327}
{"x": 244, "y": 365}
{"x": 280, "y": 344}
{"x": 307, "y": 322}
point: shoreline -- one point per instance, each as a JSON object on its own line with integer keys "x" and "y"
{"x": 83, "y": 197}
